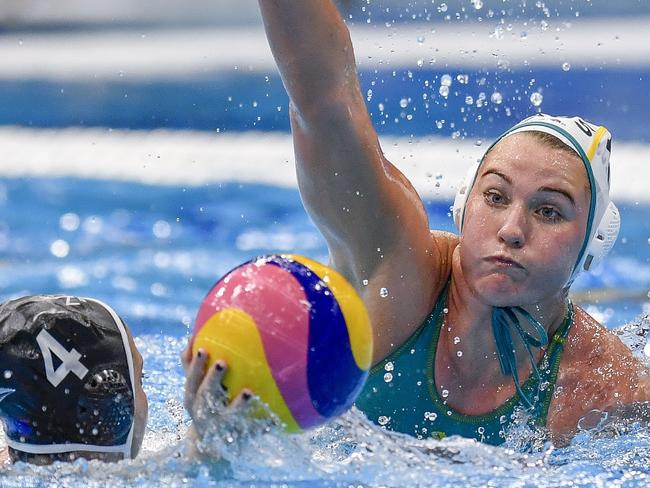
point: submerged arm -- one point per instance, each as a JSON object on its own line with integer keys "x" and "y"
{"x": 374, "y": 222}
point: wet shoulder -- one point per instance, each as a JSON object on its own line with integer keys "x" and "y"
{"x": 444, "y": 243}
{"x": 597, "y": 372}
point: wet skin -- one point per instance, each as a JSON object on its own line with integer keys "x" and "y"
{"x": 524, "y": 226}
{"x": 525, "y": 223}
{"x": 203, "y": 384}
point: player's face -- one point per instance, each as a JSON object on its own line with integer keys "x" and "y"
{"x": 525, "y": 222}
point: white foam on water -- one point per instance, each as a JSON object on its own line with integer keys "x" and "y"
{"x": 434, "y": 165}
{"x": 181, "y": 53}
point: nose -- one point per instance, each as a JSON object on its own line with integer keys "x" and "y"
{"x": 513, "y": 228}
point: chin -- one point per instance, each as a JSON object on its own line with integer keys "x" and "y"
{"x": 501, "y": 291}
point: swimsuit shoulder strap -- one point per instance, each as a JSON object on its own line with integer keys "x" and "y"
{"x": 554, "y": 356}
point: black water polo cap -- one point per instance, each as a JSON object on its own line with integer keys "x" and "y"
{"x": 66, "y": 376}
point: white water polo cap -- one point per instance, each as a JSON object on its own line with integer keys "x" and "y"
{"x": 593, "y": 145}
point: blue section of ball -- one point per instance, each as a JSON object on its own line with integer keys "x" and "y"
{"x": 333, "y": 376}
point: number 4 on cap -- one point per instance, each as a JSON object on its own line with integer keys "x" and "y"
{"x": 69, "y": 360}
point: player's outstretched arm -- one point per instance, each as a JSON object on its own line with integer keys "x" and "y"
{"x": 372, "y": 218}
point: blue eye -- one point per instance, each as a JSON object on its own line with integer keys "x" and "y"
{"x": 494, "y": 198}
{"x": 549, "y": 213}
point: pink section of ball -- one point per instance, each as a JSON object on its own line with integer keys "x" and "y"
{"x": 277, "y": 303}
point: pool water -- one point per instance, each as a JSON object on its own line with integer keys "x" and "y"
{"x": 147, "y": 218}
{"x": 152, "y": 252}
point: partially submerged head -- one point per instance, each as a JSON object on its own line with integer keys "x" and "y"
{"x": 71, "y": 375}
{"x": 536, "y": 211}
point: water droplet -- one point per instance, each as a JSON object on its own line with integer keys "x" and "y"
{"x": 445, "y": 393}
{"x": 60, "y": 248}
{"x": 69, "y": 222}
{"x": 445, "y": 310}
{"x": 66, "y": 391}
{"x": 420, "y": 62}
{"x": 443, "y": 7}
{"x": 95, "y": 431}
{"x": 469, "y": 100}
{"x": 403, "y": 103}
{"x": 93, "y": 225}
{"x": 544, "y": 385}
{"x": 383, "y": 292}
{"x": 365, "y": 282}
{"x": 158, "y": 289}
{"x": 389, "y": 366}
{"x": 478, "y": 143}
{"x": 496, "y": 98}
{"x": 536, "y": 99}
{"x": 498, "y": 32}
{"x": 463, "y": 79}
{"x": 161, "y": 229}
{"x": 430, "y": 416}
{"x": 566, "y": 66}
{"x": 459, "y": 353}
{"x": 8, "y": 374}
{"x": 445, "y": 80}
{"x": 383, "y": 420}
{"x": 456, "y": 340}
{"x": 388, "y": 377}
{"x": 481, "y": 430}
{"x": 420, "y": 39}
{"x": 503, "y": 419}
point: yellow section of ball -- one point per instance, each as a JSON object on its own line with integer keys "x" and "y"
{"x": 353, "y": 309}
{"x": 231, "y": 335}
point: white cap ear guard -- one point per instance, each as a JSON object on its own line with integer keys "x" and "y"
{"x": 593, "y": 145}
{"x": 603, "y": 241}
{"x": 461, "y": 195}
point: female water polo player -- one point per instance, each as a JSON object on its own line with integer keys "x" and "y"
{"x": 70, "y": 381}
{"x": 476, "y": 326}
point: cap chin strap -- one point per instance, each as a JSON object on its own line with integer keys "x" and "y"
{"x": 503, "y": 320}
{"x": 126, "y": 448}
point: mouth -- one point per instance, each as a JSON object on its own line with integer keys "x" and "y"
{"x": 504, "y": 262}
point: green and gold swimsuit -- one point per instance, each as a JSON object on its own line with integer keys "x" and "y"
{"x": 401, "y": 394}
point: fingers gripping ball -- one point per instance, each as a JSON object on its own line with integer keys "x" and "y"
{"x": 293, "y": 331}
